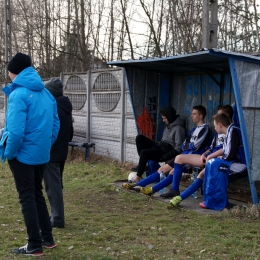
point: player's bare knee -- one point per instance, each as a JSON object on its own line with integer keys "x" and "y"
{"x": 201, "y": 175}
{"x": 178, "y": 159}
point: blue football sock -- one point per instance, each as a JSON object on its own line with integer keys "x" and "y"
{"x": 177, "y": 174}
{"x": 192, "y": 188}
{"x": 162, "y": 184}
{"x": 155, "y": 177}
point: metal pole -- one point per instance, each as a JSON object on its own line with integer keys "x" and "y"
{"x": 123, "y": 116}
{"x": 8, "y": 41}
{"x": 242, "y": 127}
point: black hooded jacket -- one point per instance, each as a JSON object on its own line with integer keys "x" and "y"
{"x": 59, "y": 149}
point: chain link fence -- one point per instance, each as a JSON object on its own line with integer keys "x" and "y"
{"x": 2, "y": 71}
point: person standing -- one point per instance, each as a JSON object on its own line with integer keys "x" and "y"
{"x": 32, "y": 126}
{"x": 53, "y": 173}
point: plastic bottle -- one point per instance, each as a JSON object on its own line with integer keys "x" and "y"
{"x": 162, "y": 177}
{"x": 193, "y": 178}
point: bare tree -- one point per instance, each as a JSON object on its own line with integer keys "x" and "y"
{"x": 152, "y": 29}
{"x": 72, "y": 35}
{"x": 125, "y": 23}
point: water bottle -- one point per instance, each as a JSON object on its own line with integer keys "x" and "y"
{"x": 193, "y": 178}
{"x": 162, "y": 177}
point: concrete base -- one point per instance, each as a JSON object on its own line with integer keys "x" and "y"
{"x": 189, "y": 203}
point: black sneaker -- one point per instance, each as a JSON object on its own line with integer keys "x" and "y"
{"x": 170, "y": 194}
{"x": 24, "y": 251}
{"x": 134, "y": 169}
{"x": 48, "y": 245}
{"x": 57, "y": 225}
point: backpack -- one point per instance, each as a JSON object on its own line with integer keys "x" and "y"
{"x": 215, "y": 183}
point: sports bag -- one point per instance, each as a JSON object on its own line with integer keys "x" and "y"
{"x": 215, "y": 183}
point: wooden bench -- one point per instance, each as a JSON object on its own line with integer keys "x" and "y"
{"x": 84, "y": 145}
{"x": 232, "y": 177}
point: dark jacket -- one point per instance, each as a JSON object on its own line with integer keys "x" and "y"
{"x": 59, "y": 149}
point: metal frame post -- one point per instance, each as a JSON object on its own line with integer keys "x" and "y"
{"x": 242, "y": 127}
{"x": 123, "y": 115}
{"x": 8, "y": 39}
{"x": 8, "y": 43}
{"x": 89, "y": 101}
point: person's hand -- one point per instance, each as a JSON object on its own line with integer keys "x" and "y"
{"x": 171, "y": 171}
{"x": 137, "y": 179}
{"x": 160, "y": 169}
{"x": 208, "y": 158}
{"x": 203, "y": 159}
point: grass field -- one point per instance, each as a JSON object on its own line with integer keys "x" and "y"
{"x": 104, "y": 222}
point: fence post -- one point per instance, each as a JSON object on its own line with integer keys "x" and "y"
{"x": 123, "y": 117}
{"x": 242, "y": 127}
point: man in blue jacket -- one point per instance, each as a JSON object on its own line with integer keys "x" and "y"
{"x": 32, "y": 126}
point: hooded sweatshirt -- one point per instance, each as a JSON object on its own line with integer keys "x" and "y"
{"x": 59, "y": 149}
{"x": 32, "y": 122}
{"x": 174, "y": 134}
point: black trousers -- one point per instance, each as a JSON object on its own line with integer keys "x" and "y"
{"x": 147, "y": 150}
{"x": 53, "y": 185}
{"x": 28, "y": 181}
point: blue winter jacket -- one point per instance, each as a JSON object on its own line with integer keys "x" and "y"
{"x": 32, "y": 122}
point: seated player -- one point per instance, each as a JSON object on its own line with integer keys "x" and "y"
{"x": 195, "y": 143}
{"x": 181, "y": 161}
{"x": 232, "y": 151}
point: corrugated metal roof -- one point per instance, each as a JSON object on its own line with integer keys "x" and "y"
{"x": 213, "y": 60}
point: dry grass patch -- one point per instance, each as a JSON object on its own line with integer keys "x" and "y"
{"x": 104, "y": 222}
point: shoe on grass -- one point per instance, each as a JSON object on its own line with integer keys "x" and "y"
{"x": 202, "y": 205}
{"x": 24, "y": 251}
{"x": 170, "y": 194}
{"x": 48, "y": 245}
{"x": 128, "y": 185}
{"x": 134, "y": 169}
{"x": 176, "y": 201}
{"x": 147, "y": 190}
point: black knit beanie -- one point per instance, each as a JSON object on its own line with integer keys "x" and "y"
{"x": 55, "y": 86}
{"x": 19, "y": 62}
{"x": 169, "y": 113}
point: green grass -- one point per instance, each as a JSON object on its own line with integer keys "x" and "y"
{"x": 104, "y": 222}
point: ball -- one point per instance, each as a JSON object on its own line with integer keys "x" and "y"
{"x": 131, "y": 176}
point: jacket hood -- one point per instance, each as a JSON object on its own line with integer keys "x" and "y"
{"x": 28, "y": 78}
{"x": 169, "y": 113}
{"x": 178, "y": 121}
{"x": 64, "y": 103}
{"x": 55, "y": 86}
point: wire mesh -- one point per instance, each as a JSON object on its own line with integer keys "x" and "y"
{"x": 75, "y": 89}
{"x": 111, "y": 92}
